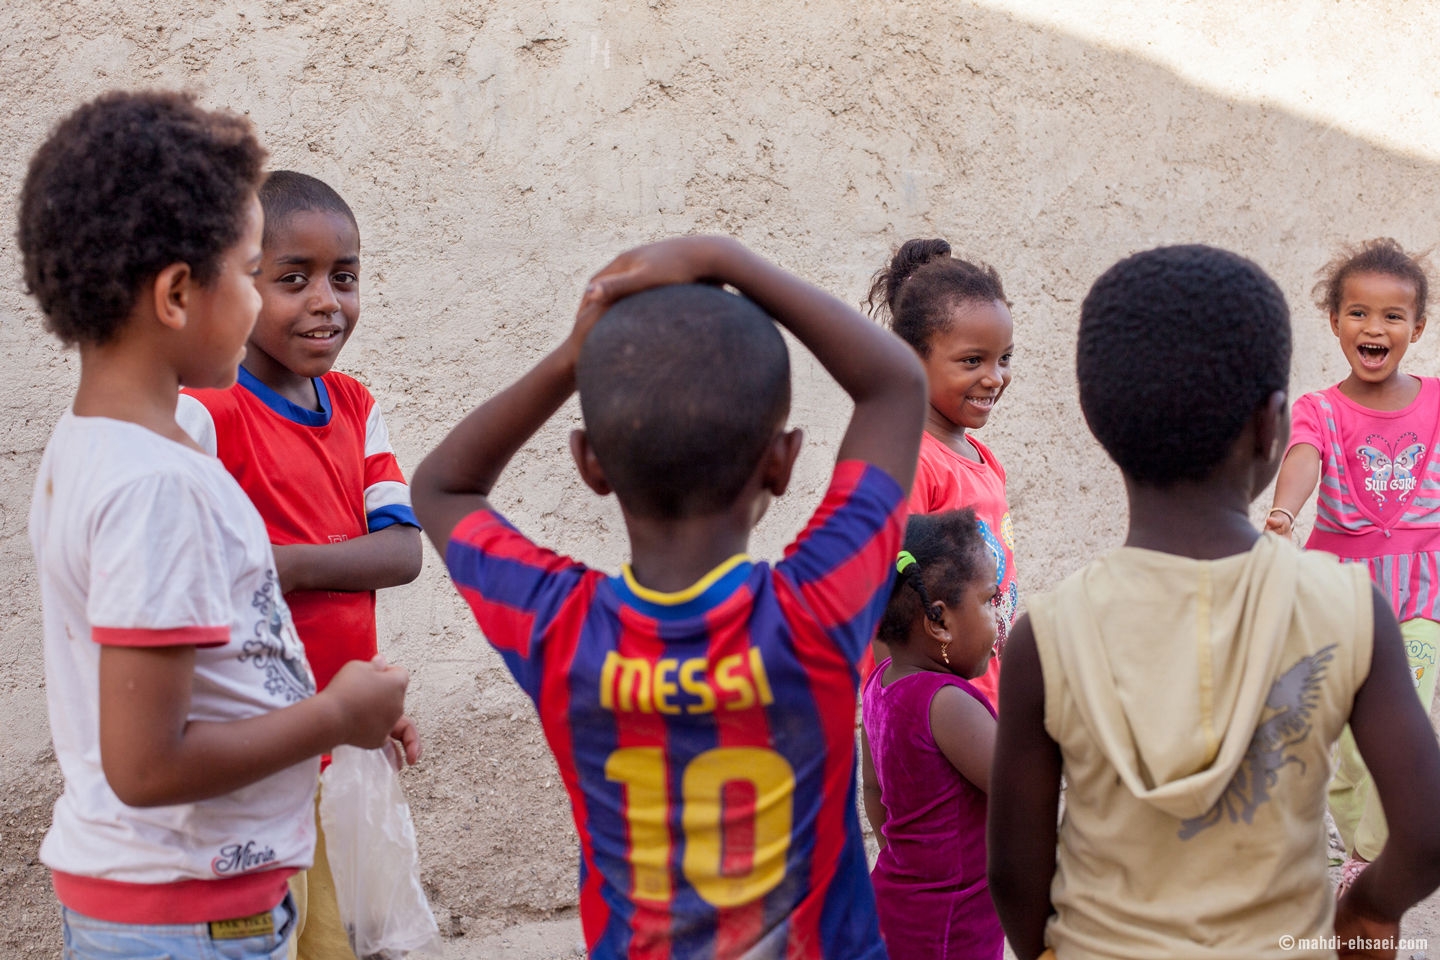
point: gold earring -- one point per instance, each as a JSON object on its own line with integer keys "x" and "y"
{"x": 945, "y": 649}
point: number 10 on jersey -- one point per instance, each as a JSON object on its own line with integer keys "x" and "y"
{"x": 736, "y": 805}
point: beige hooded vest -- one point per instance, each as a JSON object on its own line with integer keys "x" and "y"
{"x": 1195, "y": 703}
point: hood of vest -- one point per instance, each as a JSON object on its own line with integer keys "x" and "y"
{"x": 1172, "y": 661}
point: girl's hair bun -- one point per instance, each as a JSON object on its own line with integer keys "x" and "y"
{"x": 917, "y": 291}
{"x": 912, "y": 255}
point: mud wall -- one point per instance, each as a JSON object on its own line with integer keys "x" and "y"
{"x": 497, "y": 153}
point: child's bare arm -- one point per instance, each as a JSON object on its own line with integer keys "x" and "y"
{"x": 456, "y": 478}
{"x": 874, "y": 367}
{"x": 153, "y": 755}
{"x": 1398, "y": 745}
{"x": 1298, "y": 476}
{"x": 388, "y": 557}
{"x": 875, "y": 810}
{"x": 879, "y": 372}
{"x": 1024, "y": 800}
{"x": 965, "y": 733}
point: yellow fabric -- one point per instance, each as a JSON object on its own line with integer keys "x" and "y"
{"x": 299, "y": 892}
{"x": 319, "y": 934}
{"x": 690, "y": 592}
{"x": 1353, "y": 801}
{"x": 1194, "y": 703}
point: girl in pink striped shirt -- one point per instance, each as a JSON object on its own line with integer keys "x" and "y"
{"x": 1370, "y": 441}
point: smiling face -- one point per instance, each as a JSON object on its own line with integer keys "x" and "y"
{"x": 1376, "y": 324}
{"x": 222, "y": 314}
{"x": 969, "y": 362}
{"x": 310, "y": 287}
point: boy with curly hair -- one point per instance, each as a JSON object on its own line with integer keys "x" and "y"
{"x": 183, "y": 711}
{"x": 1189, "y": 685}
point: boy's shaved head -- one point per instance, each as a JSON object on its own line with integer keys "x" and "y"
{"x": 286, "y": 192}
{"x": 1179, "y": 346}
{"x": 682, "y": 388}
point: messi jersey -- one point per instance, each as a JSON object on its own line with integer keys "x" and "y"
{"x": 316, "y": 476}
{"x": 706, "y": 737}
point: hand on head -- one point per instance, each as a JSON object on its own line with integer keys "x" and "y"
{"x": 677, "y": 260}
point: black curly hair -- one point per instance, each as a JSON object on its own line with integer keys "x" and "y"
{"x": 1382, "y": 255}
{"x": 922, "y": 284}
{"x": 950, "y": 555}
{"x": 123, "y": 187}
{"x": 1178, "y": 348}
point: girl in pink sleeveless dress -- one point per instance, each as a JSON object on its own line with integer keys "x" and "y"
{"x": 926, "y": 745}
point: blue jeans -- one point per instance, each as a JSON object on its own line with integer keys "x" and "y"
{"x": 89, "y": 939}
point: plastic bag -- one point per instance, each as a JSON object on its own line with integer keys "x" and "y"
{"x": 370, "y": 843}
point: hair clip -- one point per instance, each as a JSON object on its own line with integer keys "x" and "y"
{"x": 905, "y": 561}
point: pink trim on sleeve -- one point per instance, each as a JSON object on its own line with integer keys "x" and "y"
{"x": 1305, "y": 424}
{"x": 174, "y": 637}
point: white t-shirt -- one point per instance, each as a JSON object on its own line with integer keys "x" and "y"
{"x": 142, "y": 541}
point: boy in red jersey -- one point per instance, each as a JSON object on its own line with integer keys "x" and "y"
{"x": 310, "y": 449}
{"x": 701, "y": 706}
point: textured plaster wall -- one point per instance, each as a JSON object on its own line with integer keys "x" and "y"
{"x": 497, "y": 153}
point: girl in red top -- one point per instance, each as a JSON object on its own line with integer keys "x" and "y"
{"x": 954, "y": 315}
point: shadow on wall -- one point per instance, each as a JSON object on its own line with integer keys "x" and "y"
{"x": 496, "y": 158}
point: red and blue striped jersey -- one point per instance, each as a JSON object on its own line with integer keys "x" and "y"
{"x": 706, "y": 737}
